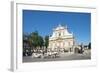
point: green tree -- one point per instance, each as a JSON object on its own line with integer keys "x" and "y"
{"x": 34, "y": 39}
{"x": 26, "y": 45}
{"x": 46, "y": 41}
{"x": 89, "y": 45}
{"x": 40, "y": 41}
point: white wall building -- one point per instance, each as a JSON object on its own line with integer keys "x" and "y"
{"x": 61, "y": 39}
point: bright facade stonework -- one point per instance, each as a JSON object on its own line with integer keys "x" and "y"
{"x": 61, "y": 39}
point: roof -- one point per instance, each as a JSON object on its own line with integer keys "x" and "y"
{"x": 60, "y": 27}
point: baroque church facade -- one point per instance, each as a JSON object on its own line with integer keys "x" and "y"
{"x": 61, "y": 39}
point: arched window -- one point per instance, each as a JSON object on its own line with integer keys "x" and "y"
{"x": 59, "y": 34}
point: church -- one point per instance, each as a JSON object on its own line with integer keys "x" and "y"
{"x": 61, "y": 39}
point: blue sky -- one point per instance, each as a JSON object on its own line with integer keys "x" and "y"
{"x": 45, "y": 21}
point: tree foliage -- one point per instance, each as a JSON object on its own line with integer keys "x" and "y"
{"x": 89, "y": 45}
{"x": 46, "y": 41}
{"x": 34, "y": 41}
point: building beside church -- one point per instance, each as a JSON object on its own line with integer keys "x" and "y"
{"x": 61, "y": 39}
